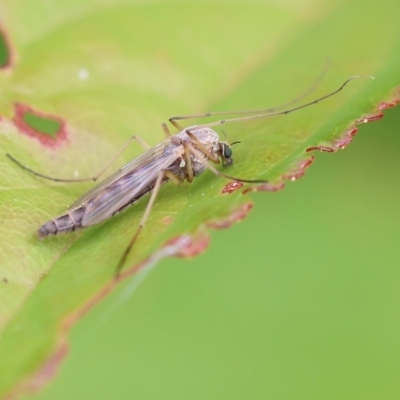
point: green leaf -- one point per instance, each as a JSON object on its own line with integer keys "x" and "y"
{"x": 103, "y": 72}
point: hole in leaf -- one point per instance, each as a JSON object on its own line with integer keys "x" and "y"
{"x": 4, "y": 51}
{"x": 50, "y": 130}
{"x": 46, "y": 126}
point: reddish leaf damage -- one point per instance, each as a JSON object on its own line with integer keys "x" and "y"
{"x": 48, "y": 370}
{"x": 299, "y": 170}
{"x": 231, "y": 187}
{"x": 20, "y": 112}
{"x": 236, "y": 215}
{"x": 347, "y": 137}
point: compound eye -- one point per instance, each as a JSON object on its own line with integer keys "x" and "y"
{"x": 227, "y": 152}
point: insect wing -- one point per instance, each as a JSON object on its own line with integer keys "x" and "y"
{"x": 133, "y": 181}
{"x": 147, "y": 157}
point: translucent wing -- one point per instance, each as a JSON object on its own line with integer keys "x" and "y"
{"x": 126, "y": 185}
{"x": 136, "y": 163}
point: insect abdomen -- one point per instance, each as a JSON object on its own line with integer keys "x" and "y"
{"x": 67, "y": 222}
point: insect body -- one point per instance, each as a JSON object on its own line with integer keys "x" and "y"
{"x": 180, "y": 157}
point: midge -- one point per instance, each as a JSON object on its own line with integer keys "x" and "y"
{"x": 178, "y": 158}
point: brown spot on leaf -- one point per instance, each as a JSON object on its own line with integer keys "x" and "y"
{"x": 346, "y": 138}
{"x": 48, "y": 129}
{"x": 236, "y": 216}
{"x": 293, "y": 176}
{"x": 231, "y": 187}
{"x": 299, "y": 170}
{"x": 369, "y": 118}
{"x": 320, "y": 148}
{"x": 266, "y": 187}
{"x": 188, "y": 246}
{"x": 386, "y": 105}
{"x": 307, "y": 162}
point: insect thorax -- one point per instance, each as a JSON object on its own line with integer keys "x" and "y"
{"x": 208, "y": 138}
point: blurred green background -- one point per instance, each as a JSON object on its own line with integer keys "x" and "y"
{"x": 299, "y": 301}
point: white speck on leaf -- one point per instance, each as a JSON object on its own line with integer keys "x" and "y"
{"x": 83, "y": 74}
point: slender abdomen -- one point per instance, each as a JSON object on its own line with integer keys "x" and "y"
{"x": 67, "y": 222}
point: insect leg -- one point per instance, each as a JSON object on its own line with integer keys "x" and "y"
{"x": 288, "y": 111}
{"x": 208, "y": 165}
{"x": 175, "y": 124}
{"x": 304, "y": 94}
{"x": 166, "y": 130}
{"x": 93, "y": 178}
{"x": 139, "y": 139}
{"x": 146, "y": 214}
{"x": 188, "y": 163}
{"x": 202, "y": 147}
{"x": 178, "y": 181}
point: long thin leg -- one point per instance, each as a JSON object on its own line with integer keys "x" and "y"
{"x": 273, "y": 114}
{"x": 93, "y": 178}
{"x": 304, "y": 94}
{"x": 146, "y": 214}
{"x": 175, "y": 124}
{"x": 188, "y": 163}
{"x": 165, "y": 129}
